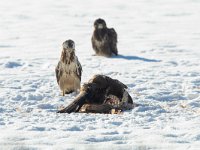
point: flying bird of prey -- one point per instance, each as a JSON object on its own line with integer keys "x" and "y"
{"x": 68, "y": 70}
{"x": 104, "y": 40}
{"x": 101, "y": 94}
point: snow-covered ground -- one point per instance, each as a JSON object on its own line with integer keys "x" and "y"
{"x": 159, "y": 46}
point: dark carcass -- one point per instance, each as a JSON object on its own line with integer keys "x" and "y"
{"x": 101, "y": 94}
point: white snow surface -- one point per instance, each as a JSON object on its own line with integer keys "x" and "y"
{"x": 159, "y": 61}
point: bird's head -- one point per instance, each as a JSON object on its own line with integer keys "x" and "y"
{"x": 69, "y": 46}
{"x": 99, "y": 24}
{"x": 68, "y": 51}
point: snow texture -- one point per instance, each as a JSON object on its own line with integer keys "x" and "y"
{"x": 159, "y": 61}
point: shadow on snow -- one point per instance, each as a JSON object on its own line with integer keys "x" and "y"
{"x": 136, "y": 58}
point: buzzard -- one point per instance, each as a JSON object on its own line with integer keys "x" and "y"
{"x": 69, "y": 70}
{"x": 104, "y": 40}
{"x": 101, "y": 94}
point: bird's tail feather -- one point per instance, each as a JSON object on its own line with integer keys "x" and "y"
{"x": 76, "y": 104}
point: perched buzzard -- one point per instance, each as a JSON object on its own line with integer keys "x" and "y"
{"x": 104, "y": 40}
{"x": 101, "y": 94}
{"x": 68, "y": 70}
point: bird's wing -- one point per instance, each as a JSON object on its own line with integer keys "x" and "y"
{"x": 58, "y": 72}
{"x": 76, "y": 104}
{"x": 115, "y": 82}
{"x": 113, "y": 33}
{"x": 113, "y": 40}
{"x": 78, "y": 68}
{"x": 120, "y": 83}
{"x": 99, "y": 81}
{"x": 108, "y": 86}
{"x": 118, "y": 89}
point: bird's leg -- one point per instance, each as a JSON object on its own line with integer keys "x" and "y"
{"x": 63, "y": 93}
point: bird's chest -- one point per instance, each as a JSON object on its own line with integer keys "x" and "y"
{"x": 101, "y": 37}
{"x": 101, "y": 43}
{"x": 69, "y": 68}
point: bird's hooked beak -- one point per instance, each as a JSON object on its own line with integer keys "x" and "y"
{"x": 68, "y": 51}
